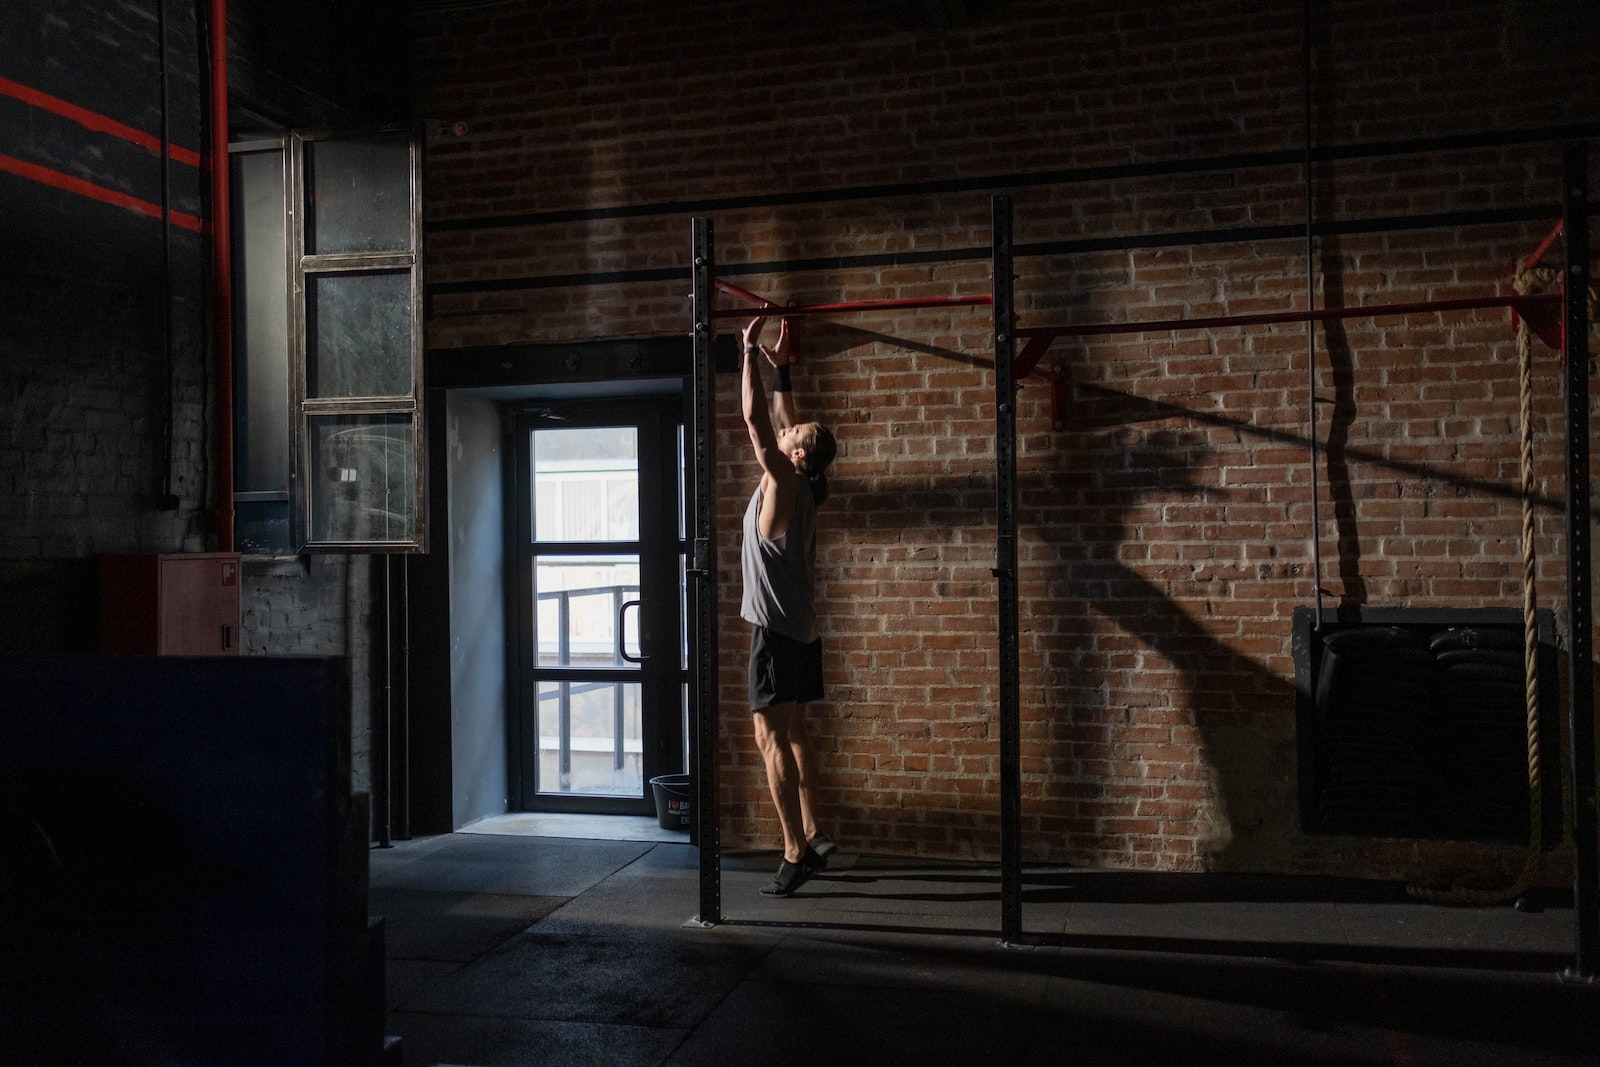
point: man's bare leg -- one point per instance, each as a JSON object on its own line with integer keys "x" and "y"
{"x": 805, "y": 762}
{"x": 774, "y": 740}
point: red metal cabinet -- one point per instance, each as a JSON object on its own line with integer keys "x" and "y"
{"x": 178, "y": 604}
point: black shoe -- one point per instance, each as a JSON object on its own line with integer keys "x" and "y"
{"x": 821, "y": 846}
{"x": 790, "y": 877}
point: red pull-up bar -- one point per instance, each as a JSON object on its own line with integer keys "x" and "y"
{"x": 1538, "y": 253}
{"x": 1541, "y": 310}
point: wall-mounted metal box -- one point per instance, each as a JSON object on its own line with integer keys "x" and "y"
{"x": 170, "y": 604}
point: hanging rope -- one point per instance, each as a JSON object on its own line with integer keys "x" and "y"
{"x": 1473, "y": 889}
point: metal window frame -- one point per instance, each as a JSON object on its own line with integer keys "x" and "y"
{"x": 656, "y": 417}
{"x": 304, "y": 408}
{"x": 277, "y": 146}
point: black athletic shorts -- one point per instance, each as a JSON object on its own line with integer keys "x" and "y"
{"x": 783, "y": 670}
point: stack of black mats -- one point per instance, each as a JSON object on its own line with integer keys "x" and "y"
{"x": 1377, "y": 703}
{"x": 1421, "y": 735}
{"x": 1481, "y": 780}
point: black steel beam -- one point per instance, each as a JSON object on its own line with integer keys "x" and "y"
{"x": 1079, "y": 246}
{"x": 1005, "y": 572}
{"x": 1580, "y": 638}
{"x": 703, "y": 435}
{"x": 1071, "y": 175}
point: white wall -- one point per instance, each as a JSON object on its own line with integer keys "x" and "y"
{"x": 477, "y": 609}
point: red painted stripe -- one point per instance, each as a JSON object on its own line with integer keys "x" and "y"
{"x": 58, "y": 180}
{"x": 187, "y": 156}
{"x": 95, "y": 121}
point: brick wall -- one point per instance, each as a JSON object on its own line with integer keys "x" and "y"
{"x": 101, "y": 338}
{"x": 1167, "y": 529}
{"x": 106, "y": 377}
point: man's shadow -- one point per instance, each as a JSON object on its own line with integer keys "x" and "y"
{"x": 1160, "y": 719}
{"x": 1163, "y": 720}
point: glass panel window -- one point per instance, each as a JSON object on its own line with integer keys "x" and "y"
{"x": 590, "y": 739}
{"x": 683, "y": 482}
{"x": 360, "y": 195}
{"x": 328, "y": 349}
{"x": 685, "y": 703}
{"x": 361, "y": 477}
{"x": 683, "y": 612}
{"x": 578, "y": 605}
{"x": 586, "y": 484}
{"x": 358, "y": 334}
{"x": 261, "y": 330}
{"x": 261, "y": 347}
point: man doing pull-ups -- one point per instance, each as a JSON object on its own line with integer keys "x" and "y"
{"x": 778, "y": 560}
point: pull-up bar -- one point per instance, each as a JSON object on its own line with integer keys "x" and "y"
{"x": 1573, "y": 321}
{"x": 982, "y": 300}
{"x": 1521, "y": 304}
{"x": 1541, "y": 310}
{"x": 1544, "y": 246}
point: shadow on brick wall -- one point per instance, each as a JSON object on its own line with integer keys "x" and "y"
{"x": 1161, "y": 737}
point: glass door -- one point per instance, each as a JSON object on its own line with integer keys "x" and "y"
{"x": 598, "y": 545}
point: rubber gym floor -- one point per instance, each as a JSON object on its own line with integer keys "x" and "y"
{"x": 507, "y": 946}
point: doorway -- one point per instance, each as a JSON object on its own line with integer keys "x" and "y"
{"x": 596, "y": 566}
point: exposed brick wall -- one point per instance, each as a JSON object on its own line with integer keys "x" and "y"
{"x": 317, "y": 606}
{"x": 84, "y": 285}
{"x": 1167, "y": 529}
{"x": 101, "y": 339}
{"x": 106, "y": 377}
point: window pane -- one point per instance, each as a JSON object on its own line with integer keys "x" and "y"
{"x": 359, "y": 193}
{"x": 261, "y": 527}
{"x": 683, "y": 710}
{"x": 577, "y": 602}
{"x": 361, "y": 478}
{"x": 261, "y": 324}
{"x": 358, "y": 334}
{"x": 589, "y": 738}
{"x": 683, "y": 483}
{"x": 684, "y": 618}
{"x": 586, "y": 484}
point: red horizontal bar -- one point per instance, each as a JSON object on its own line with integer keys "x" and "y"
{"x": 92, "y": 120}
{"x": 58, "y": 180}
{"x": 1314, "y": 315}
{"x": 743, "y": 294}
{"x": 785, "y": 310}
{"x": 1538, "y": 253}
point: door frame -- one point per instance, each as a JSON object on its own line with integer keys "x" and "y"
{"x": 426, "y": 777}
{"x": 663, "y": 676}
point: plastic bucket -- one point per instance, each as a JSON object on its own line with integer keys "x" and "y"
{"x": 673, "y": 793}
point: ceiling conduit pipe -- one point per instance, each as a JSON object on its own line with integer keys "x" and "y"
{"x": 222, "y": 276}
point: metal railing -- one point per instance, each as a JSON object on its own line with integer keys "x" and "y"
{"x": 566, "y": 689}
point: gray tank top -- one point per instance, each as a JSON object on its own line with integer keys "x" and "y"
{"x": 779, "y": 573}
